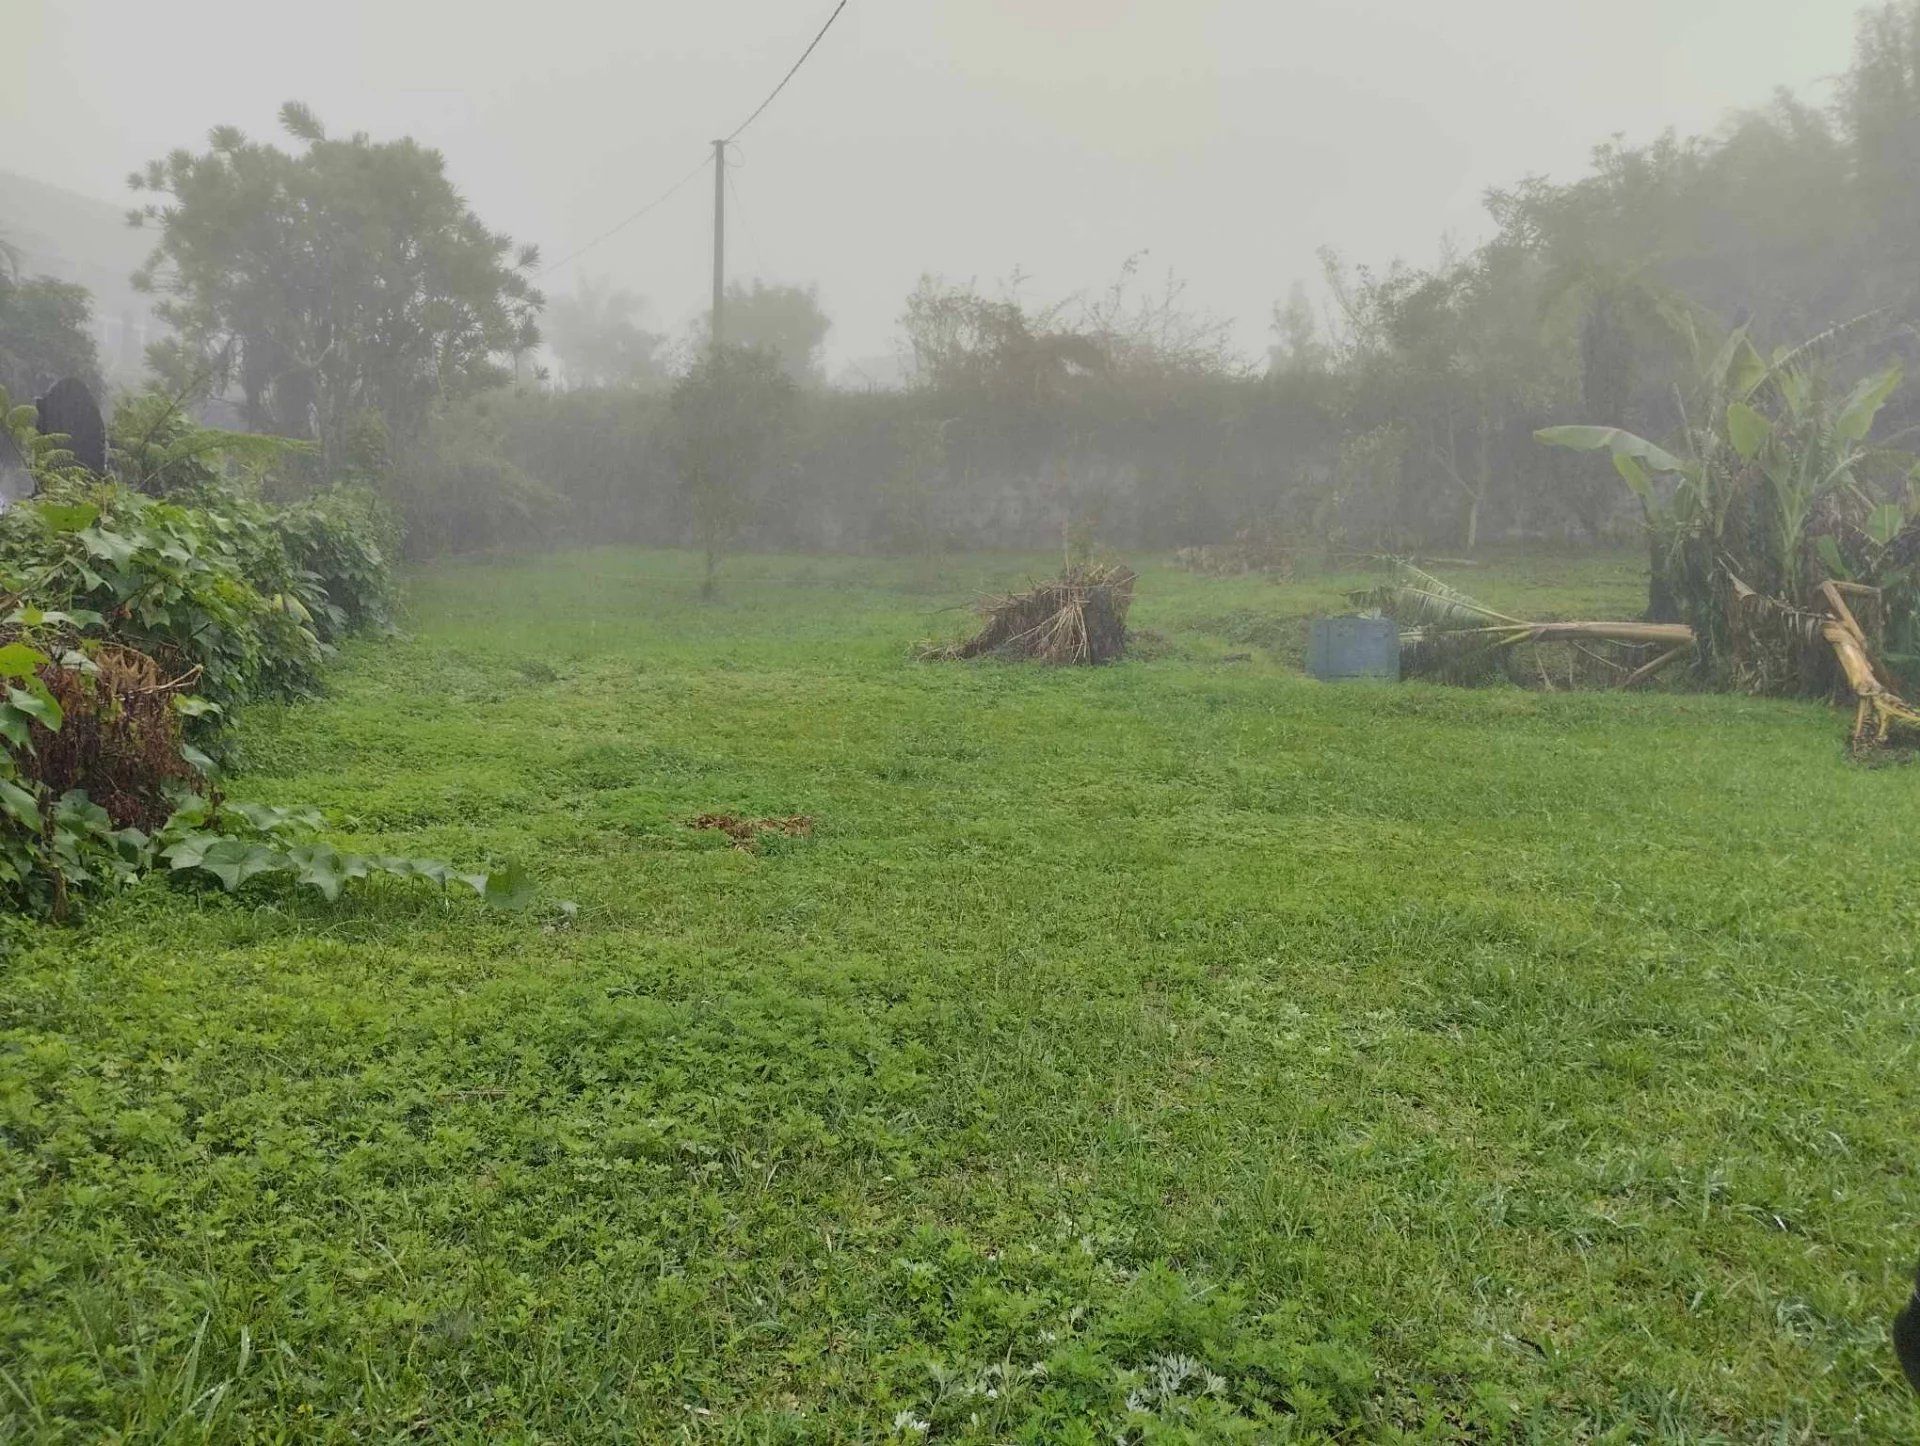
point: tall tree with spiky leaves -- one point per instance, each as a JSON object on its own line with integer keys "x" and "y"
{"x": 334, "y": 280}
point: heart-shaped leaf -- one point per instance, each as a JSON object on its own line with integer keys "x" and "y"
{"x": 509, "y": 888}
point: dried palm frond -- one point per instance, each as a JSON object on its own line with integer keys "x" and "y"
{"x": 1829, "y": 343}
{"x": 1452, "y": 636}
{"x": 1416, "y": 598}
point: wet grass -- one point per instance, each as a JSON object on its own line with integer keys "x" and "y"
{"x": 1181, "y": 1049}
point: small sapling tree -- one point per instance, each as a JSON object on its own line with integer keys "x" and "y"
{"x": 731, "y": 417}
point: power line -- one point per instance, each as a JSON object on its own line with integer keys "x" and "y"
{"x": 791, "y": 73}
{"x": 705, "y": 161}
{"x": 615, "y": 230}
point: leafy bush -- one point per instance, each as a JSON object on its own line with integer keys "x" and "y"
{"x": 328, "y": 550}
{"x": 127, "y": 621}
{"x": 203, "y": 576}
{"x": 167, "y": 579}
{"x": 341, "y": 540}
{"x": 159, "y": 449}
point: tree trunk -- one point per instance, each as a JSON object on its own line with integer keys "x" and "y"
{"x": 1663, "y": 603}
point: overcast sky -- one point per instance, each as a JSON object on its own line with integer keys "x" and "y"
{"x": 1228, "y": 139}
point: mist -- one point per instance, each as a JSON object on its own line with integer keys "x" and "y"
{"x": 1227, "y": 141}
{"x": 1024, "y": 720}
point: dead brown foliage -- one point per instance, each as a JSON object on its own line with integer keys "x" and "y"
{"x": 120, "y": 738}
{"x": 1078, "y": 617}
{"x": 746, "y": 832}
{"x": 1255, "y": 548}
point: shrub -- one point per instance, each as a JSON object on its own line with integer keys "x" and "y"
{"x": 163, "y": 578}
{"x": 342, "y": 539}
{"x": 127, "y": 620}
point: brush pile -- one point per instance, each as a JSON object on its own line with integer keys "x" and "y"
{"x": 1257, "y": 547}
{"x": 1079, "y": 617}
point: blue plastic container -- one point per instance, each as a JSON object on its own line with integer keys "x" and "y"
{"x": 1354, "y": 647}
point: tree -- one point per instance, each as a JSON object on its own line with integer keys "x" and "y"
{"x": 342, "y": 277}
{"x": 46, "y": 332}
{"x": 1880, "y": 107}
{"x": 784, "y": 320}
{"x": 597, "y": 336}
{"x": 995, "y": 351}
{"x": 1298, "y": 347}
{"x": 728, "y": 419}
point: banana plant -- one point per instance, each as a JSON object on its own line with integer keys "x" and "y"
{"x": 1765, "y": 444}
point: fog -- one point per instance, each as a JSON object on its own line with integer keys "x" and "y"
{"x": 1227, "y": 139}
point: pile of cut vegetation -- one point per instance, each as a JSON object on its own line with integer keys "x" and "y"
{"x": 1078, "y": 617}
{"x": 1257, "y": 547}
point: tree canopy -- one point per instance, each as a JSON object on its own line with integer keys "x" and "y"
{"x": 785, "y": 321}
{"x": 596, "y": 334}
{"x": 45, "y": 333}
{"x": 335, "y": 279}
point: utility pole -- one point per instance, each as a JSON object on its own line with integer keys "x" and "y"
{"x": 719, "y": 239}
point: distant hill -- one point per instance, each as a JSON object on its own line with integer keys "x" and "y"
{"x": 79, "y": 238}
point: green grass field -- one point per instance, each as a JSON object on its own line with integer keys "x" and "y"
{"x": 1181, "y": 1050}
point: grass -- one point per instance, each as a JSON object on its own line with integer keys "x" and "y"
{"x": 1181, "y": 1049}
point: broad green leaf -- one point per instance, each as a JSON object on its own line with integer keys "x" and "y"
{"x": 1620, "y": 442}
{"x": 187, "y": 817}
{"x": 68, "y": 516}
{"x": 19, "y": 805}
{"x": 233, "y": 861}
{"x": 1748, "y": 368}
{"x": 37, "y": 705}
{"x": 1830, "y": 557}
{"x": 1864, "y": 404}
{"x": 431, "y": 870}
{"x": 1739, "y": 367}
{"x": 188, "y": 705}
{"x": 267, "y": 818}
{"x": 109, "y": 546}
{"x": 320, "y": 866}
{"x": 18, "y": 660}
{"x": 509, "y": 888}
{"x": 191, "y": 851}
{"x": 1747, "y": 429}
{"x": 1635, "y": 476}
{"x": 200, "y": 762}
{"x": 1885, "y": 521}
{"x": 33, "y": 617}
{"x": 79, "y": 811}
